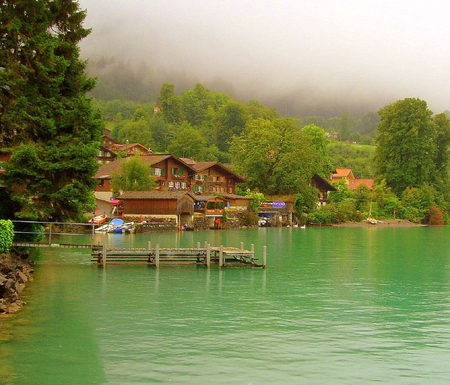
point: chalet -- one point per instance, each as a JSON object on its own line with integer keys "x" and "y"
{"x": 170, "y": 172}
{"x": 110, "y": 149}
{"x": 324, "y": 188}
{"x": 213, "y": 178}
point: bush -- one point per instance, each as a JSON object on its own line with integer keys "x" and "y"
{"x": 6, "y": 235}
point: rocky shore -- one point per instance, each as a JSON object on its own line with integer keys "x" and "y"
{"x": 15, "y": 272}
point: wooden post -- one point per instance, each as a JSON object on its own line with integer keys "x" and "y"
{"x": 242, "y": 246}
{"x": 157, "y": 255}
{"x": 221, "y": 256}
{"x": 252, "y": 249}
{"x": 149, "y": 245}
{"x": 264, "y": 257}
{"x": 208, "y": 255}
{"x": 104, "y": 255}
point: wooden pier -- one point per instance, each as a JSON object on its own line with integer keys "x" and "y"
{"x": 156, "y": 256}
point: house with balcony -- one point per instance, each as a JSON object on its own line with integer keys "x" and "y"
{"x": 212, "y": 178}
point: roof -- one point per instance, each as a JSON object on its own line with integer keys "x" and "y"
{"x": 341, "y": 173}
{"x": 204, "y": 198}
{"x": 166, "y": 195}
{"x": 202, "y": 166}
{"x": 355, "y": 183}
{"x": 106, "y": 170}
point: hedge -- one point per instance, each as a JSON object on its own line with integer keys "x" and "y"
{"x": 6, "y": 235}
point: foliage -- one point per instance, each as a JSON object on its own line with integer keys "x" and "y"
{"x": 275, "y": 157}
{"x": 133, "y": 175}
{"x": 45, "y": 116}
{"x": 358, "y": 158}
{"x": 319, "y": 140}
{"x": 411, "y": 146}
{"x": 434, "y": 217}
{"x": 256, "y": 201}
{"x": 6, "y": 235}
{"x": 342, "y": 192}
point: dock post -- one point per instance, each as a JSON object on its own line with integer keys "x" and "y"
{"x": 208, "y": 255}
{"x": 149, "y": 245}
{"x": 252, "y": 249}
{"x": 242, "y": 246}
{"x": 157, "y": 255}
{"x": 198, "y": 245}
{"x": 264, "y": 257}
{"x": 104, "y": 255}
{"x": 221, "y": 256}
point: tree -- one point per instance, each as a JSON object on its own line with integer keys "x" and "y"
{"x": 275, "y": 157}
{"x": 406, "y": 145}
{"x": 136, "y": 132}
{"x": 170, "y": 104}
{"x": 319, "y": 140}
{"x": 46, "y": 120}
{"x": 188, "y": 143}
{"x": 231, "y": 120}
{"x": 133, "y": 175}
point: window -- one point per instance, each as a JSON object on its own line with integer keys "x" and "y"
{"x": 170, "y": 184}
{"x": 181, "y": 171}
{"x": 177, "y": 185}
{"x": 173, "y": 170}
{"x": 157, "y": 171}
{"x": 183, "y": 185}
{"x": 163, "y": 172}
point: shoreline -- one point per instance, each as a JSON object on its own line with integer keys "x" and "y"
{"x": 384, "y": 223}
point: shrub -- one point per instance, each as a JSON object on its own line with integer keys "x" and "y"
{"x": 6, "y": 235}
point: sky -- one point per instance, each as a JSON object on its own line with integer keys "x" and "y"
{"x": 301, "y": 56}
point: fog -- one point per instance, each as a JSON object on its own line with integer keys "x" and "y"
{"x": 303, "y": 57}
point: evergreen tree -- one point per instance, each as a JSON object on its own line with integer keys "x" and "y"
{"x": 46, "y": 120}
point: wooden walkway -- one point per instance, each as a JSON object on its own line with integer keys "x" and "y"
{"x": 223, "y": 256}
{"x": 156, "y": 256}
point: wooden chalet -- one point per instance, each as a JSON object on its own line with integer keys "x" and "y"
{"x": 170, "y": 172}
{"x": 213, "y": 178}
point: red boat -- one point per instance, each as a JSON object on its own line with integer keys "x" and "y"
{"x": 98, "y": 220}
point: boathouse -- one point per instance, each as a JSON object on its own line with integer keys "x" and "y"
{"x": 177, "y": 204}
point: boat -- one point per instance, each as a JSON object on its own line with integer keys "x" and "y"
{"x": 98, "y": 220}
{"x": 125, "y": 228}
{"x": 111, "y": 226}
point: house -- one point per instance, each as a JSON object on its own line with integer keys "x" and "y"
{"x": 164, "y": 204}
{"x": 324, "y": 188}
{"x": 213, "y": 178}
{"x": 352, "y": 182}
{"x": 170, "y": 172}
{"x": 342, "y": 174}
{"x": 110, "y": 149}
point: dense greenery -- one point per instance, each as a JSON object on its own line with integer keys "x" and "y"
{"x": 46, "y": 120}
{"x": 133, "y": 175}
{"x": 6, "y": 235}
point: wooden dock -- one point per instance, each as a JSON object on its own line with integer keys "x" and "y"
{"x": 156, "y": 256}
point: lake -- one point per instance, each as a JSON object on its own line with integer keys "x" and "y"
{"x": 333, "y": 306}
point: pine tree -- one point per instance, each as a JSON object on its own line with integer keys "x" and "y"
{"x": 46, "y": 120}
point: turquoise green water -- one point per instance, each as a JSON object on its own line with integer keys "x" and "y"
{"x": 334, "y": 306}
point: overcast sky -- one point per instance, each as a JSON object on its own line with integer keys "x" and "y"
{"x": 305, "y": 55}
